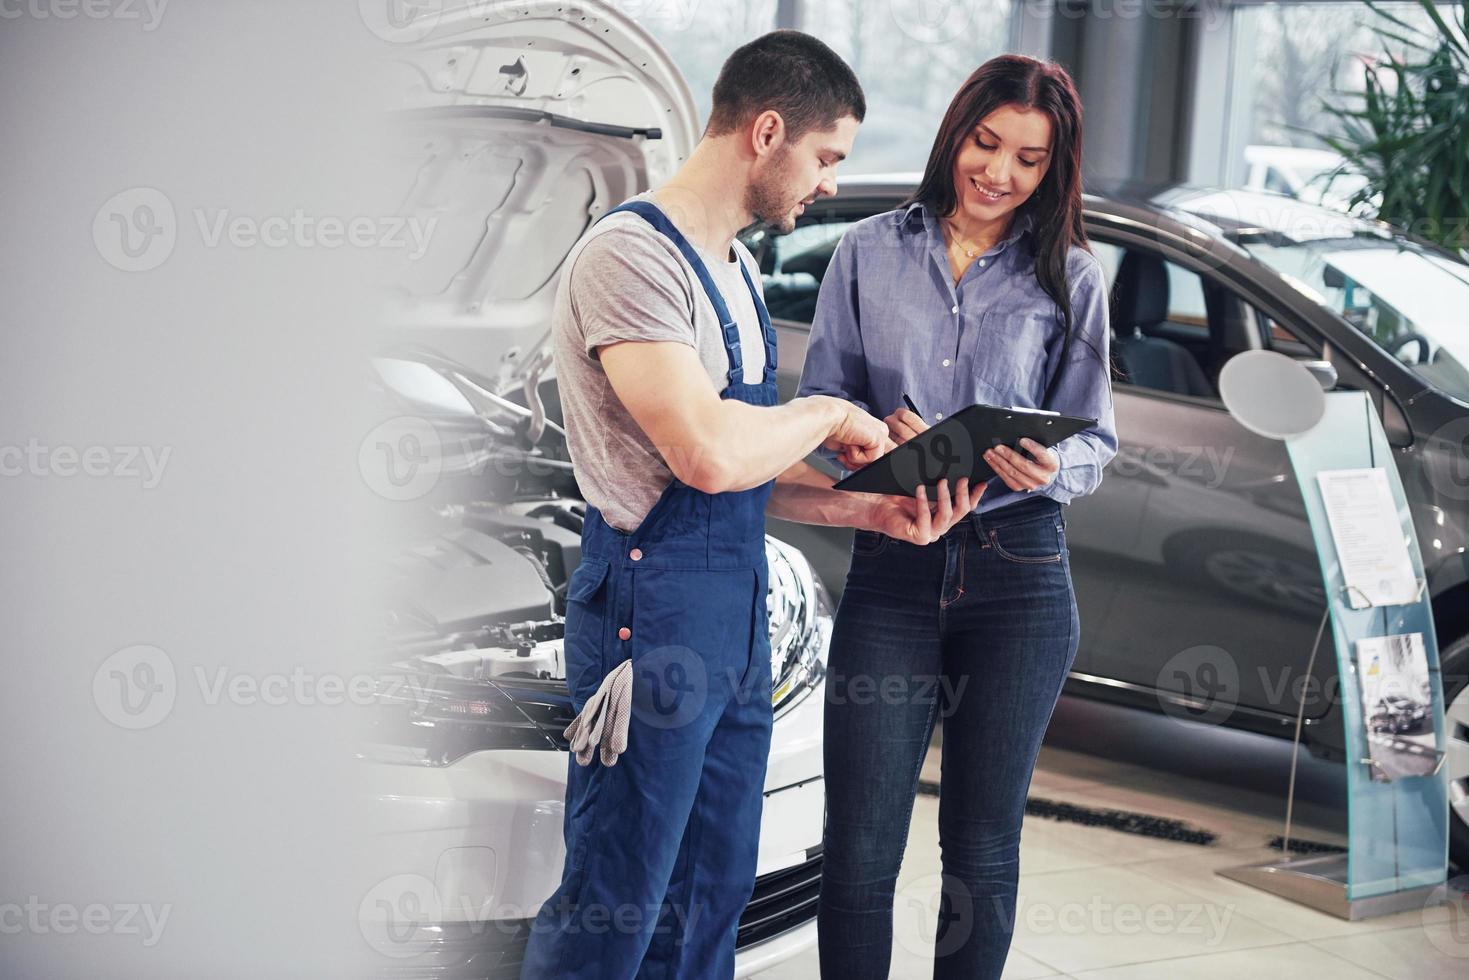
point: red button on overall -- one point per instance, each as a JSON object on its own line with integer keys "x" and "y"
{"x": 624, "y": 634}
{"x": 636, "y": 554}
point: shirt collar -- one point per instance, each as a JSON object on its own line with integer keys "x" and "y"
{"x": 1024, "y": 222}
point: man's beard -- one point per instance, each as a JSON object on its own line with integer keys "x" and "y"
{"x": 768, "y": 200}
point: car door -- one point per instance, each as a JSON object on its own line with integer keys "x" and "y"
{"x": 1219, "y": 596}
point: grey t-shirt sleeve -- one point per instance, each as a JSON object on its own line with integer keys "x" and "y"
{"x": 627, "y": 285}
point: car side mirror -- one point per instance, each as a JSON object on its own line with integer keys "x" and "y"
{"x": 1323, "y": 371}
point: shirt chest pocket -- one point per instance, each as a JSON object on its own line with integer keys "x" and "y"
{"x": 1007, "y": 353}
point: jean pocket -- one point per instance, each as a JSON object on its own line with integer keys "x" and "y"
{"x": 1029, "y": 543}
{"x": 869, "y": 544}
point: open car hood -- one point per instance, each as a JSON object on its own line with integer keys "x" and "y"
{"x": 520, "y": 124}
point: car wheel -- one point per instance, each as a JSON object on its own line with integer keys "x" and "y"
{"x": 1454, "y": 662}
{"x": 1253, "y": 568}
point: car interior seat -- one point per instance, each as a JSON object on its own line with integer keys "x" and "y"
{"x": 1139, "y": 303}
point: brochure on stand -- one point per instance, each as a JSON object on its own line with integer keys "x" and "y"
{"x": 1397, "y": 704}
{"x": 1369, "y": 538}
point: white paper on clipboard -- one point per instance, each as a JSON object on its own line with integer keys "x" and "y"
{"x": 1369, "y": 540}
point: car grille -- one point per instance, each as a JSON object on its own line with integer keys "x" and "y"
{"x": 780, "y": 902}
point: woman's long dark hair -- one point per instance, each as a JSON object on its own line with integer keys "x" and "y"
{"x": 1055, "y": 206}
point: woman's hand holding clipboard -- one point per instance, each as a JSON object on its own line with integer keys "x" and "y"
{"x": 979, "y": 442}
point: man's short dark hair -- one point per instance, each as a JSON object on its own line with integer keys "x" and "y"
{"x": 794, "y": 74}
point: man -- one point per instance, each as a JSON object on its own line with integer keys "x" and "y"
{"x": 666, "y": 364}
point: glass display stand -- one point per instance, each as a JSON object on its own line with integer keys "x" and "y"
{"x": 1397, "y": 826}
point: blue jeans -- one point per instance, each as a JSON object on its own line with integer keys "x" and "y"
{"x": 979, "y": 629}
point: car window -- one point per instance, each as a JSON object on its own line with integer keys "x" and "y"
{"x": 1275, "y": 181}
{"x": 1110, "y": 256}
{"x": 793, "y": 265}
{"x": 1185, "y": 289}
{"x": 1186, "y": 301}
{"x": 1162, "y": 354}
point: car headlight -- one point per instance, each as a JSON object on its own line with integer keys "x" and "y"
{"x": 800, "y": 626}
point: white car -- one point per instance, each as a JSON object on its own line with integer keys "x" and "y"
{"x": 1307, "y": 174}
{"x": 521, "y": 125}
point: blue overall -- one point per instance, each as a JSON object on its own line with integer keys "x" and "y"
{"x": 661, "y": 847}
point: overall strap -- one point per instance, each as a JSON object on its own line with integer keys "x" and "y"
{"x": 729, "y": 330}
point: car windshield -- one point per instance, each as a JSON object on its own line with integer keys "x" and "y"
{"x": 1411, "y": 303}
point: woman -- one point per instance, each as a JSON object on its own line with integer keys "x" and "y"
{"x": 980, "y": 288}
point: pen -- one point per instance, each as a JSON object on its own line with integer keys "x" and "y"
{"x": 912, "y": 407}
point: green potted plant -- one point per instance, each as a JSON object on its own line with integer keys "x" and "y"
{"x": 1407, "y": 131}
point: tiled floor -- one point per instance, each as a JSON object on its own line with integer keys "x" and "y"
{"x": 1096, "y": 903}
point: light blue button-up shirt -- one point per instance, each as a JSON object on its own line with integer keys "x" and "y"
{"x": 889, "y": 320}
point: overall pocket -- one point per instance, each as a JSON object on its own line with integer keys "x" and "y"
{"x": 586, "y": 621}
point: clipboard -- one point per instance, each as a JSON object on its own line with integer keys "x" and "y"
{"x": 955, "y": 448}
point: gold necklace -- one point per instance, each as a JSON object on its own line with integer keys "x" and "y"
{"x": 969, "y": 252}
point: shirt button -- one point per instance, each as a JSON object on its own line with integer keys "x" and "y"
{"x": 981, "y": 263}
{"x": 946, "y": 362}
{"x": 938, "y": 415}
{"x": 636, "y": 554}
{"x": 955, "y": 309}
{"x": 624, "y": 634}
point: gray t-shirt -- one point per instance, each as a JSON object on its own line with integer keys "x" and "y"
{"x": 626, "y": 281}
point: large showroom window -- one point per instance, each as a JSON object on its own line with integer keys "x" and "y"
{"x": 1285, "y": 62}
{"x": 911, "y": 56}
{"x": 699, "y": 36}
